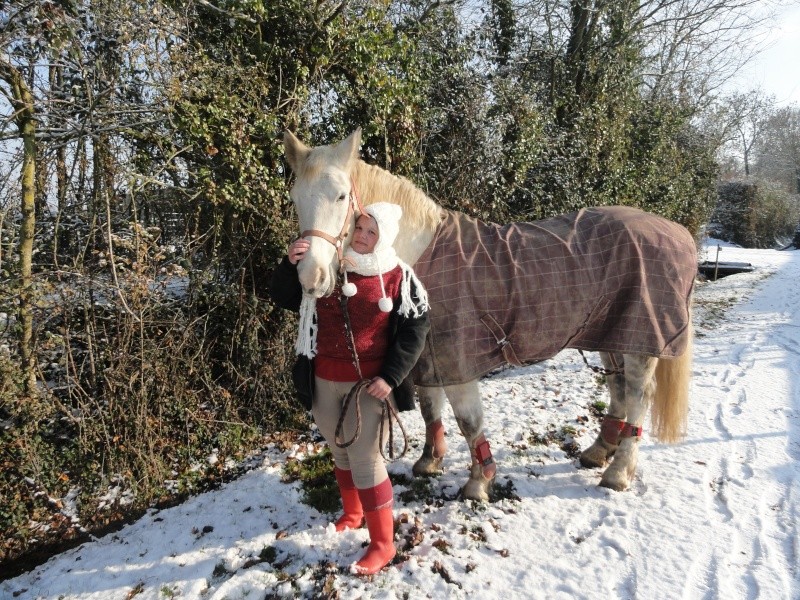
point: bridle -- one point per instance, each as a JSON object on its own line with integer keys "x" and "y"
{"x": 353, "y": 206}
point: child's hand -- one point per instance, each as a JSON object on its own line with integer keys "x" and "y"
{"x": 379, "y": 388}
{"x": 297, "y": 250}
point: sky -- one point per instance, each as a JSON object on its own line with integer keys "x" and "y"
{"x": 775, "y": 69}
{"x": 715, "y": 516}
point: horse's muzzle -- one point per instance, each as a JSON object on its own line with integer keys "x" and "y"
{"x": 317, "y": 281}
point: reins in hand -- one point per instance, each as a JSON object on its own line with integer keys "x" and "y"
{"x": 388, "y": 411}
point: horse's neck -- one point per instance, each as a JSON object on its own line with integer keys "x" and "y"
{"x": 421, "y": 215}
{"x": 412, "y": 244}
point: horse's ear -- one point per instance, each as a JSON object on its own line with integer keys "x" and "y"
{"x": 348, "y": 149}
{"x": 296, "y": 151}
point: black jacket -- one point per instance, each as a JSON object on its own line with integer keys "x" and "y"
{"x": 406, "y": 341}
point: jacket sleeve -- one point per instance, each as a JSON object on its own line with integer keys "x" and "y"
{"x": 284, "y": 286}
{"x": 405, "y": 348}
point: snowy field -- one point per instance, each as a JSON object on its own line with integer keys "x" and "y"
{"x": 713, "y": 517}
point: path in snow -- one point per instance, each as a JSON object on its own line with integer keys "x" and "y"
{"x": 745, "y": 404}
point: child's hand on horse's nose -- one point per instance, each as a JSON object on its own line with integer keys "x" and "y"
{"x": 297, "y": 250}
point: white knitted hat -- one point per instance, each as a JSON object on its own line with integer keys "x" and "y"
{"x": 387, "y": 218}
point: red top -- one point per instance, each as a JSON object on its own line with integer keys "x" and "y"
{"x": 334, "y": 361}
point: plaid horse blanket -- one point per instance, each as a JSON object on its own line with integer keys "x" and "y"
{"x": 613, "y": 279}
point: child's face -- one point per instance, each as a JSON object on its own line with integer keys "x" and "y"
{"x": 365, "y": 236}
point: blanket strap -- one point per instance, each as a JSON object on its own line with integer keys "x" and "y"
{"x": 502, "y": 340}
{"x": 617, "y": 370}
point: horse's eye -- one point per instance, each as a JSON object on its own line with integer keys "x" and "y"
{"x": 342, "y": 197}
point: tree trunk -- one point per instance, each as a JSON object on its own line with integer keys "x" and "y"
{"x": 22, "y": 100}
{"x": 60, "y": 236}
{"x": 504, "y": 30}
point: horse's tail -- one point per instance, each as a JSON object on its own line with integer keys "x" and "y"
{"x": 671, "y": 401}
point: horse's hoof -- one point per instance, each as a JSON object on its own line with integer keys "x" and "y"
{"x": 477, "y": 490}
{"x": 479, "y": 485}
{"x": 593, "y": 457}
{"x": 616, "y": 485}
{"x": 615, "y": 479}
{"x": 427, "y": 466}
{"x": 598, "y": 454}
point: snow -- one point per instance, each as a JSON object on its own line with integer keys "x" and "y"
{"x": 715, "y": 516}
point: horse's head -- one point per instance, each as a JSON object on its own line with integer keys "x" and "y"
{"x": 322, "y": 197}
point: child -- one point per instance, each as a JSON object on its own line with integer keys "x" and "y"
{"x": 387, "y": 307}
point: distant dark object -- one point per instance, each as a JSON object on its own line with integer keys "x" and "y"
{"x": 715, "y": 270}
{"x": 795, "y": 243}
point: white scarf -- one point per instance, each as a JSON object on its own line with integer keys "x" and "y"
{"x": 376, "y": 263}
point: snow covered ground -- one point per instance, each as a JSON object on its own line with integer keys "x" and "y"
{"x": 713, "y": 517}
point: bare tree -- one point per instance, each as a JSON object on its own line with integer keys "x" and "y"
{"x": 689, "y": 48}
{"x": 778, "y": 148}
{"x": 21, "y": 101}
{"x": 744, "y": 116}
{"x": 693, "y": 47}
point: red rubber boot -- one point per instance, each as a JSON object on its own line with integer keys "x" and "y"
{"x": 353, "y": 516}
{"x": 377, "y": 503}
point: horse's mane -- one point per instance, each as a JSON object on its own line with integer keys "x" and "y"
{"x": 378, "y": 185}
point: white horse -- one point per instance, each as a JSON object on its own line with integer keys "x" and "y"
{"x": 608, "y": 317}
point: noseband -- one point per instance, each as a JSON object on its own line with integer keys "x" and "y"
{"x": 353, "y": 203}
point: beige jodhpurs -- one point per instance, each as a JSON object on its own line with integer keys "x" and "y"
{"x": 363, "y": 456}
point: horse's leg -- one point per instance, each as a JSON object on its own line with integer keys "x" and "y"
{"x": 465, "y": 399}
{"x": 640, "y": 386}
{"x": 431, "y": 402}
{"x": 605, "y": 445}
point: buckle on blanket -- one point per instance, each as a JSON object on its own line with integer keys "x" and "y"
{"x": 502, "y": 340}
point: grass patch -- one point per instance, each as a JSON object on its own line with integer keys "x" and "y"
{"x": 598, "y": 408}
{"x": 712, "y": 312}
{"x": 317, "y": 480}
{"x": 505, "y": 491}
{"x": 419, "y": 489}
{"x": 268, "y": 554}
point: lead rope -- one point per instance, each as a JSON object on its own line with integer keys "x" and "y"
{"x": 355, "y": 393}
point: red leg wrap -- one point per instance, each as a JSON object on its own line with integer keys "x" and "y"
{"x": 631, "y": 431}
{"x": 434, "y": 437}
{"x": 612, "y": 429}
{"x": 483, "y": 453}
